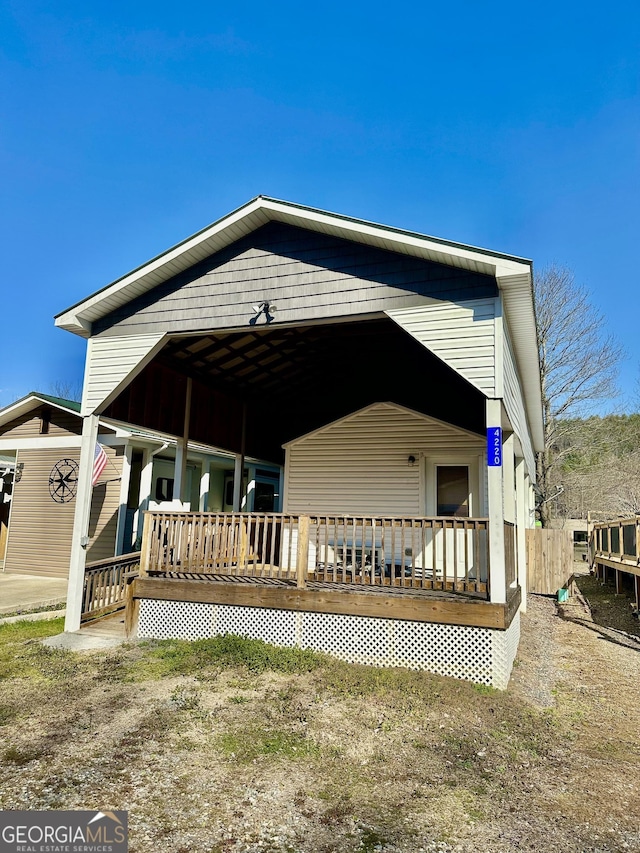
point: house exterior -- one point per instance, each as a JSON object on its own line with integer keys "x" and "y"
{"x": 40, "y": 438}
{"x": 396, "y": 378}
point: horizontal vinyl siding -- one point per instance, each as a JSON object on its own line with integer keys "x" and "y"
{"x": 29, "y": 425}
{"x": 40, "y": 529}
{"x": 109, "y": 362}
{"x": 104, "y": 508}
{"x": 307, "y": 275}
{"x": 461, "y": 334}
{"x": 514, "y": 404}
{"x": 360, "y": 465}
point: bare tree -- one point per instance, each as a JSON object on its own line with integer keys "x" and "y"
{"x": 66, "y": 390}
{"x": 579, "y": 364}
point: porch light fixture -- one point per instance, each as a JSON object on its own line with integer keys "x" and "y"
{"x": 411, "y": 461}
{"x": 265, "y": 308}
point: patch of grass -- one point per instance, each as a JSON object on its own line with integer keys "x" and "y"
{"x": 23, "y": 656}
{"x": 7, "y": 714}
{"x": 371, "y": 839}
{"x": 248, "y": 744}
{"x": 182, "y": 657}
{"x": 485, "y": 689}
{"x": 16, "y": 755}
{"x": 16, "y": 632}
{"x": 353, "y": 680}
{"x": 185, "y": 699}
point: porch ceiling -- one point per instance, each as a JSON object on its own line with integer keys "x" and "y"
{"x": 295, "y": 379}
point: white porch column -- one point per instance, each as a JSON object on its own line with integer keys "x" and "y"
{"x": 496, "y": 514}
{"x": 146, "y": 483}
{"x": 522, "y": 514}
{"x": 80, "y": 536}
{"x": 124, "y": 497}
{"x": 508, "y": 478}
{"x": 205, "y": 483}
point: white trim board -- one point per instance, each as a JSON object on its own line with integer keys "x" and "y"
{"x": 51, "y": 442}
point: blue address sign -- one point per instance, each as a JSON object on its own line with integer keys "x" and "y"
{"x": 494, "y": 447}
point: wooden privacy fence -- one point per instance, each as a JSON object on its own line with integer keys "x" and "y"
{"x": 426, "y": 553}
{"x": 549, "y": 559}
{"x": 105, "y": 585}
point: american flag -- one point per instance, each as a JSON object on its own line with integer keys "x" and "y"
{"x": 100, "y": 460}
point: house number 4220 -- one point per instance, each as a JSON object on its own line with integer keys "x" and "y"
{"x": 494, "y": 447}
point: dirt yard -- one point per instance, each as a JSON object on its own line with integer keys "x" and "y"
{"x": 231, "y": 746}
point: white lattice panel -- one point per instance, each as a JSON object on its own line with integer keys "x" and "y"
{"x": 164, "y": 620}
{"x": 357, "y": 639}
{"x": 482, "y": 655}
{"x": 455, "y": 650}
{"x": 503, "y": 653}
{"x": 273, "y": 626}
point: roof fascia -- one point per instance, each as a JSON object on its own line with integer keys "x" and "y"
{"x": 27, "y": 404}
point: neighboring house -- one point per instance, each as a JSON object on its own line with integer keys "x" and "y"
{"x": 40, "y": 439}
{"x": 395, "y": 375}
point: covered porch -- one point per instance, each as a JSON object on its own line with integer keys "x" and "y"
{"x": 376, "y": 369}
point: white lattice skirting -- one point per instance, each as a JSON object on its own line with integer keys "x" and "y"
{"x": 482, "y": 655}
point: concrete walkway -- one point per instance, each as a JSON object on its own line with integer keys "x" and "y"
{"x": 28, "y": 592}
{"x": 105, "y": 633}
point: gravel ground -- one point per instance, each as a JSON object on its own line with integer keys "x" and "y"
{"x": 219, "y": 757}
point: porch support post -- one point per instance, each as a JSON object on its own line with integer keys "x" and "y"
{"x": 495, "y": 488}
{"x": 124, "y": 498}
{"x": 146, "y": 483}
{"x": 522, "y": 512}
{"x": 180, "y": 470}
{"x": 239, "y": 468}
{"x": 508, "y": 478}
{"x": 80, "y": 535}
{"x": 281, "y": 491}
{"x": 205, "y": 483}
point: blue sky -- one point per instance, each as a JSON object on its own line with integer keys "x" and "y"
{"x": 126, "y": 127}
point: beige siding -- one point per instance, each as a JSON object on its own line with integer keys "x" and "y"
{"x": 30, "y": 425}
{"x": 462, "y": 334}
{"x": 105, "y": 502}
{"x": 40, "y": 529}
{"x": 110, "y": 361}
{"x": 360, "y": 465}
{"x": 514, "y": 404}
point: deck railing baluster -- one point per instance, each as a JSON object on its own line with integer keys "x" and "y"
{"x": 427, "y": 553}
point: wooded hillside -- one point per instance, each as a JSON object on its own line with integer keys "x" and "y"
{"x": 599, "y": 466}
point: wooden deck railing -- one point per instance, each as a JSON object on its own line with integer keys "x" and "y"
{"x": 617, "y": 540}
{"x": 105, "y": 584}
{"x": 616, "y": 545}
{"x": 418, "y": 552}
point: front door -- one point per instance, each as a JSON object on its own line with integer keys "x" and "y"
{"x": 453, "y": 493}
